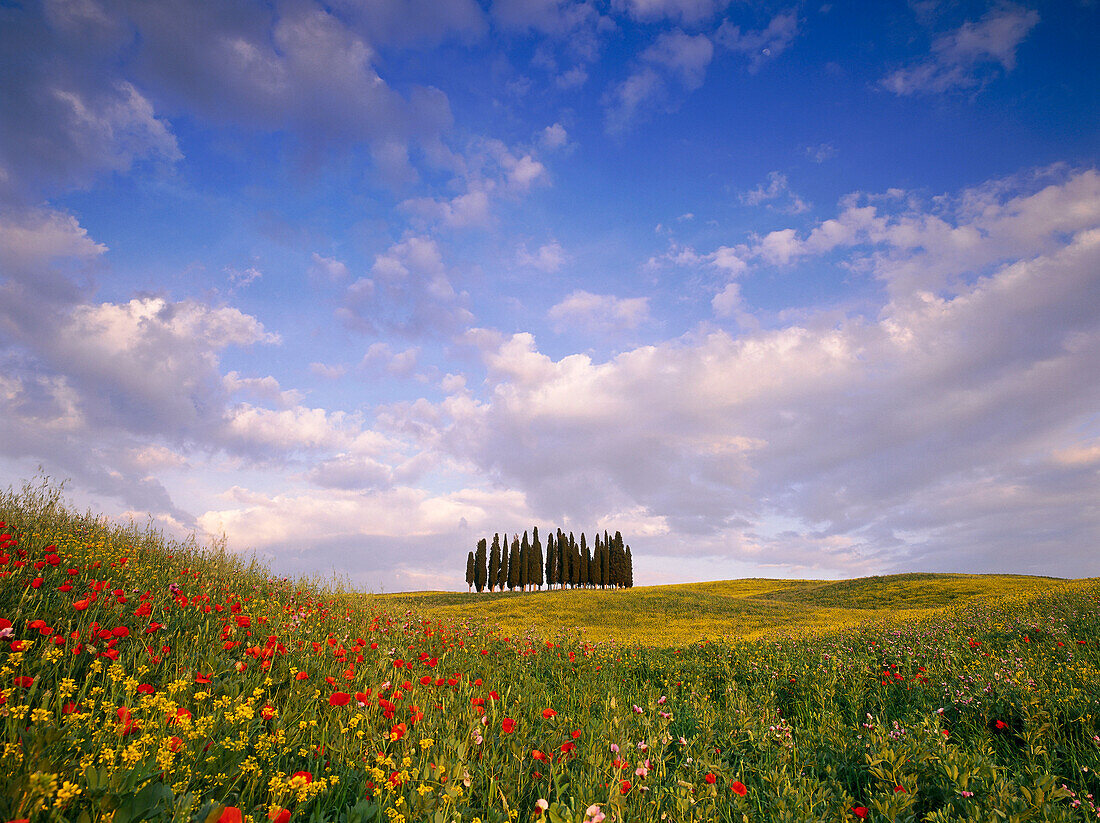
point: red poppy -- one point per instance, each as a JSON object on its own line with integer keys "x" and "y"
{"x": 548, "y": 713}
{"x": 231, "y": 815}
{"x": 739, "y": 788}
{"x": 339, "y": 699}
{"x": 508, "y": 725}
{"x": 25, "y": 682}
{"x": 1000, "y": 724}
{"x": 81, "y": 605}
{"x": 537, "y": 755}
{"x": 145, "y": 688}
{"x": 860, "y": 812}
{"x": 624, "y": 787}
{"x": 398, "y": 731}
{"x": 204, "y": 678}
{"x": 301, "y": 676}
{"x": 710, "y": 778}
{"x": 279, "y": 815}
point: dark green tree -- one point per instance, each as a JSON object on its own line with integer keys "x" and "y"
{"x": 563, "y": 560}
{"x": 513, "y": 564}
{"x": 479, "y": 566}
{"x": 629, "y": 569}
{"x": 551, "y": 561}
{"x": 525, "y": 562}
{"x": 502, "y": 572}
{"x": 535, "y": 575}
{"x": 586, "y": 561}
{"x": 470, "y": 570}
{"x": 605, "y": 568}
{"x": 494, "y": 562}
{"x": 574, "y": 562}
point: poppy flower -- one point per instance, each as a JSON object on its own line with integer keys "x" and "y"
{"x": 279, "y": 815}
{"x": 145, "y": 688}
{"x": 548, "y": 713}
{"x": 1000, "y": 724}
{"x": 301, "y": 676}
{"x": 624, "y": 787}
{"x": 25, "y": 682}
{"x": 339, "y": 699}
{"x": 739, "y": 788}
{"x": 304, "y": 777}
{"x": 398, "y": 731}
{"x": 231, "y": 815}
{"x": 508, "y": 725}
{"x": 204, "y": 678}
{"x": 710, "y": 778}
{"x": 860, "y": 812}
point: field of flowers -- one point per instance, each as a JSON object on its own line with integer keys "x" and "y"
{"x": 145, "y": 680}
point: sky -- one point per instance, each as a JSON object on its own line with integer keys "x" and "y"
{"x": 776, "y": 289}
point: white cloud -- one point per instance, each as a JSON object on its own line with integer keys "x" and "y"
{"x": 763, "y": 45}
{"x": 548, "y": 258}
{"x": 596, "y": 312}
{"x": 328, "y": 269}
{"x": 777, "y": 194}
{"x": 553, "y": 137}
{"x": 685, "y": 11}
{"x": 685, "y": 56}
{"x": 409, "y": 292}
{"x": 966, "y": 56}
{"x": 673, "y": 54}
{"x": 950, "y": 431}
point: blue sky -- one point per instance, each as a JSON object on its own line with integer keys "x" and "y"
{"x": 776, "y": 289}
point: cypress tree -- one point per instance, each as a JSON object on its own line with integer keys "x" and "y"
{"x": 551, "y": 561}
{"x": 629, "y": 569}
{"x": 479, "y": 565}
{"x": 494, "y": 562}
{"x": 586, "y": 561}
{"x": 605, "y": 568}
{"x": 563, "y": 560}
{"x": 536, "y": 558}
{"x": 502, "y": 572}
{"x": 574, "y": 562}
{"x": 513, "y": 564}
{"x": 525, "y": 562}
{"x": 535, "y": 570}
{"x": 470, "y": 571}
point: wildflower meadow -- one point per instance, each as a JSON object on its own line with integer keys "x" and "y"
{"x": 144, "y": 679}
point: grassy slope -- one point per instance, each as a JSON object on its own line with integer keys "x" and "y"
{"x": 674, "y": 615}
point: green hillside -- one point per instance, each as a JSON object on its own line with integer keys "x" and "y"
{"x": 747, "y": 609}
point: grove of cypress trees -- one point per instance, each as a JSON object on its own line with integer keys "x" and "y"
{"x": 479, "y": 565}
{"x": 494, "y": 562}
{"x": 470, "y": 571}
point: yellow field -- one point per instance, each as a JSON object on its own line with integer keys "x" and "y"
{"x": 747, "y": 609}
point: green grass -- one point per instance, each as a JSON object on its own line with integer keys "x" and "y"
{"x": 731, "y": 609}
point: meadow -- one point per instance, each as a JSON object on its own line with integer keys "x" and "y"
{"x": 142, "y": 679}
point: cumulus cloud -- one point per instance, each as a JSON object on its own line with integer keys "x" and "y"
{"x": 763, "y": 45}
{"x": 949, "y": 431}
{"x": 674, "y": 55}
{"x": 685, "y": 11}
{"x": 548, "y": 257}
{"x": 596, "y": 312}
{"x": 409, "y": 291}
{"x": 777, "y": 194}
{"x": 967, "y": 56}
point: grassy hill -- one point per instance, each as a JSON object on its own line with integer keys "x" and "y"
{"x": 731, "y": 609}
